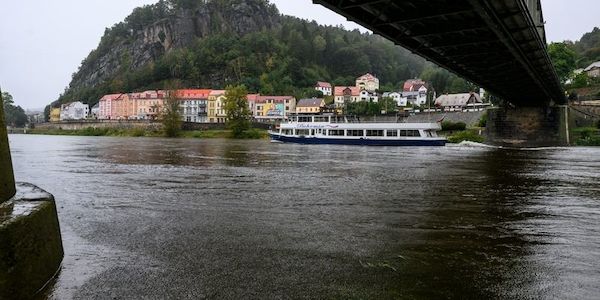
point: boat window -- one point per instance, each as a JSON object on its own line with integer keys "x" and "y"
{"x": 336, "y": 132}
{"x": 355, "y": 132}
{"x": 302, "y": 132}
{"x": 409, "y": 133}
{"x": 321, "y": 119}
{"x": 304, "y": 119}
{"x": 392, "y": 133}
{"x": 374, "y": 132}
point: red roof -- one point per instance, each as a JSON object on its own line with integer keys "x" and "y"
{"x": 413, "y": 85}
{"x": 193, "y": 93}
{"x": 367, "y": 77}
{"x": 110, "y": 97}
{"x": 253, "y": 97}
{"x": 263, "y": 99}
{"x": 323, "y": 84}
{"x": 339, "y": 90}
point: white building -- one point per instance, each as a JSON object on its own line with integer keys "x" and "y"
{"x": 460, "y": 102}
{"x": 95, "y": 112}
{"x": 324, "y": 87}
{"x": 367, "y": 82}
{"x": 397, "y": 97}
{"x": 74, "y": 111}
{"x": 367, "y": 96}
{"x": 593, "y": 70}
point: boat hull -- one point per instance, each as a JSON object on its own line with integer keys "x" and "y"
{"x": 358, "y": 141}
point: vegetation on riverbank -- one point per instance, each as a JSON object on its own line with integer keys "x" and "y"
{"x": 457, "y": 132}
{"x": 252, "y": 133}
{"x": 470, "y": 135}
{"x": 587, "y": 136}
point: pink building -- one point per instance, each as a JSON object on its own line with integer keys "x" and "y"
{"x": 106, "y": 106}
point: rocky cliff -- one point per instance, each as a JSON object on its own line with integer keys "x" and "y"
{"x": 125, "y": 47}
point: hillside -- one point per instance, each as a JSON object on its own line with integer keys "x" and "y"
{"x": 212, "y": 43}
{"x": 588, "y": 48}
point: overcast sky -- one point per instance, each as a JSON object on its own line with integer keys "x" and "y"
{"x": 43, "y": 42}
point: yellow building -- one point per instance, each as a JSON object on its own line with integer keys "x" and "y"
{"x": 216, "y": 111}
{"x": 310, "y": 106}
{"x": 55, "y": 115}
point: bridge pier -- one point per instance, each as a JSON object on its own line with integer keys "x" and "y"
{"x": 30, "y": 242}
{"x": 528, "y": 127}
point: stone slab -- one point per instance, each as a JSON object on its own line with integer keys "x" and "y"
{"x": 31, "y": 248}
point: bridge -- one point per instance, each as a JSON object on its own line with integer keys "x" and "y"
{"x": 499, "y": 45}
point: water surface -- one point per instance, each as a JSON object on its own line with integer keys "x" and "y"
{"x": 146, "y": 218}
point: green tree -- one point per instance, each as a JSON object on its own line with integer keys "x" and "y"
{"x": 171, "y": 113}
{"x": 13, "y": 115}
{"x": 563, "y": 58}
{"x": 237, "y": 110}
{"x": 387, "y": 105}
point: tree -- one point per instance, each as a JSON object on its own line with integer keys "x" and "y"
{"x": 171, "y": 114}
{"x": 13, "y": 115}
{"x": 237, "y": 110}
{"x": 563, "y": 58}
{"x": 387, "y": 105}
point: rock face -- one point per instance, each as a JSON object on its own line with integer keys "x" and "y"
{"x": 179, "y": 29}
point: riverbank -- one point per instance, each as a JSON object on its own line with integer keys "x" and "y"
{"x": 254, "y": 133}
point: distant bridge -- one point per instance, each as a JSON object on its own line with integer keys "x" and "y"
{"x": 497, "y": 44}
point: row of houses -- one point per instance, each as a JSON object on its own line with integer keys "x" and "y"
{"x": 195, "y": 105}
{"x": 208, "y": 106}
{"x": 414, "y": 92}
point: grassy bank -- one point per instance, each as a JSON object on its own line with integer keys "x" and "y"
{"x": 458, "y": 132}
{"x": 586, "y": 136}
{"x": 253, "y": 133}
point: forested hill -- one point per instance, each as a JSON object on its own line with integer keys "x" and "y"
{"x": 588, "y": 48}
{"x": 212, "y": 43}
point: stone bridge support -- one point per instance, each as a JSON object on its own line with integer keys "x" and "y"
{"x": 30, "y": 243}
{"x": 528, "y": 127}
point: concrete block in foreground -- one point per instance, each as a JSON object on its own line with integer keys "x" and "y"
{"x": 31, "y": 248}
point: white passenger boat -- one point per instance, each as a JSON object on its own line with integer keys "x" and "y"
{"x": 343, "y": 130}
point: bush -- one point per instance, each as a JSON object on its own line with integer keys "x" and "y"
{"x": 470, "y": 135}
{"x": 483, "y": 120}
{"x": 253, "y": 133}
{"x": 137, "y": 132}
{"x": 451, "y": 126}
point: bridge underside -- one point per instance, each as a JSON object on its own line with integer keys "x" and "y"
{"x": 495, "y": 44}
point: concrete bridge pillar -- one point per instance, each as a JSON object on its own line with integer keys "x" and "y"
{"x": 30, "y": 242}
{"x": 528, "y": 127}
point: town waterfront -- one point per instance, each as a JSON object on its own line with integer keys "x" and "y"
{"x": 160, "y": 218}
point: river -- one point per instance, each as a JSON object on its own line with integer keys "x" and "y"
{"x": 147, "y": 218}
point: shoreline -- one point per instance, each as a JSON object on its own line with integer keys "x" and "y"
{"x": 253, "y": 133}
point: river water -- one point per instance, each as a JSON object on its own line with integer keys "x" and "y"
{"x": 146, "y": 218}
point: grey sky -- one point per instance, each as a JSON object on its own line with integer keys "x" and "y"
{"x": 43, "y": 42}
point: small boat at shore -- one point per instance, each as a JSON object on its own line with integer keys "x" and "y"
{"x": 344, "y": 130}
